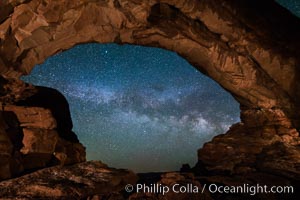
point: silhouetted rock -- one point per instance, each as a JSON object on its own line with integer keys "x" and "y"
{"x": 185, "y": 168}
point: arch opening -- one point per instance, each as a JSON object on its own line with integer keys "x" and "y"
{"x": 137, "y": 107}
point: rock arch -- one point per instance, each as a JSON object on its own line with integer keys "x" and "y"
{"x": 247, "y": 47}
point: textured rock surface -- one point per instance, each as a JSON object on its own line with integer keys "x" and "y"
{"x": 78, "y": 181}
{"x": 250, "y": 47}
{"x": 32, "y": 117}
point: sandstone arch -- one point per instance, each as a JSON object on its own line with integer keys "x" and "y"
{"x": 247, "y": 47}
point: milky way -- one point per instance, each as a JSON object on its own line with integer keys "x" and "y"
{"x": 134, "y": 107}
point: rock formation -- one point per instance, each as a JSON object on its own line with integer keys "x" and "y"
{"x": 250, "y": 47}
{"x": 30, "y": 134}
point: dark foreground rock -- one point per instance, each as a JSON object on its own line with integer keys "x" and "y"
{"x": 80, "y": 181}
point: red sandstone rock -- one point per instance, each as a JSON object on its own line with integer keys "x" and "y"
{"x": 39, "y": 141}
{"x": 30, "y": 137}
{"x": 75, "y": 152}
{"x": 237, "y": 151}
{"x": 33, "y": 117}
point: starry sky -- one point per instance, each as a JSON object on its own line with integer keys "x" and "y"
{"x": 135, "y": 107}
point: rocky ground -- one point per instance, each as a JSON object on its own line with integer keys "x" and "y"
{"x": 94, "y": 180}
{"x": 79, "y": 181}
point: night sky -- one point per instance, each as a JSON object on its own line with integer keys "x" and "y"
{"x": 136, "y": 107}
{"x": 292, "y": 5}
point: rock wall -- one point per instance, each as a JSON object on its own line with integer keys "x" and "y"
{"x": 250, "y": 47}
